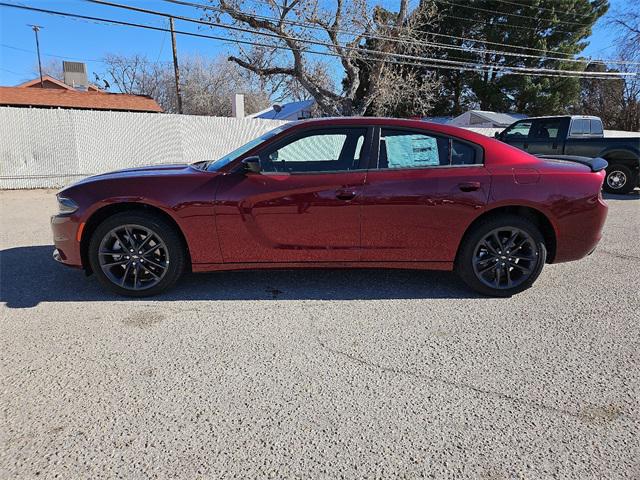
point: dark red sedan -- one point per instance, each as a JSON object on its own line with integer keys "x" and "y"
{"x": 347, "y": 192}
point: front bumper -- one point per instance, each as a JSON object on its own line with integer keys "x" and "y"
{"x": 66, "y": 230}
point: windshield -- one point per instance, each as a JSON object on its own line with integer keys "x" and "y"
{"x": 229, "y": 157}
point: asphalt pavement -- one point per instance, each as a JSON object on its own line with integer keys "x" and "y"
{"x": 318, "y": 374}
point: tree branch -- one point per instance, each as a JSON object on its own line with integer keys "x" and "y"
{"x": 262, "y": 71}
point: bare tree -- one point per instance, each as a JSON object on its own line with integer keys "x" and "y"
{"x": 627, "y": 23}
{"x": 133, "y": 74}
{"x": 50, "y": 67}
{"x": 207, "y": 84}
{"x": 600, "y": 97}
{"x": 294, "y": 34}
{"x": 629, "y": 118}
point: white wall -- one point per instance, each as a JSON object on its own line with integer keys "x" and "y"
{"x": 42, "y": 148}
{"x": 54, "y": 147}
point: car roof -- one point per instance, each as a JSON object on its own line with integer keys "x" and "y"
{"x": 391, "y": 122}
{"x": 588, "y": 117}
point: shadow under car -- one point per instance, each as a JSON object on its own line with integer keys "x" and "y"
{"x": 29, "y": 275}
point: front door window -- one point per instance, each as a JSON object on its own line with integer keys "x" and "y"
{"x": 333, "y": 150}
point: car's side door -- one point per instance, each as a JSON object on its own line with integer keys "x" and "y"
{"x": 304, "y": 204}
{"x": 425, "y": 191}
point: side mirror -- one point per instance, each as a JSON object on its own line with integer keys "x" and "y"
{"x": 496, "y": 135}
{"x": 252, "y": 164}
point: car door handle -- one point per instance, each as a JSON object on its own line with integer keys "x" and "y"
{"x": 346, "y": 194}
{"x": 469, "y": 186}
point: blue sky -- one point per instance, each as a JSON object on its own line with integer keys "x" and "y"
{"x": 86, "y": 41}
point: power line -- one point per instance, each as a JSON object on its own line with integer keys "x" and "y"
{"x": 433, "y": 44}
{"x": 543, "y": 8}
{"x": 50, "y": 54}
{"x": 325, "y": 44}
{"x": 266, "y": 2}
{"x": 459, "y": 65}
{"x": 486, "y": 10}
{"x": 502, "y": 25}
{"x": 307, "y": 25}
{"x": 437, "y": 44}
{"x": 13, "y": 71}
{"x": 464, "y": 67}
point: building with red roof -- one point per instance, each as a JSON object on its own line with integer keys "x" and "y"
{"x": 53, "y": 93}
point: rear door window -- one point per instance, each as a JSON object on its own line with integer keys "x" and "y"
{"x": 402, "y": 149}
{"x": 463, "y": 154}
{"x": 405, "y": 149}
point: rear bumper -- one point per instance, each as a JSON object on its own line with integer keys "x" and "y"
{"x": 67, "y": 247}
{"x": 580, "y": 231}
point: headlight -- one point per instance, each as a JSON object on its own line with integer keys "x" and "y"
{"x": 66, "y": 205}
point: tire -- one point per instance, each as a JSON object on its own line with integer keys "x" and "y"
{"x": 619, "y": 179}
{"x": 143, "y": 231}
{"x": 492, "y": 245}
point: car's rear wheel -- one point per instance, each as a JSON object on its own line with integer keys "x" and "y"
{"x": 136, "y": 254}
{"x": 502, "y": 256}
{"x": 619, "y": 179}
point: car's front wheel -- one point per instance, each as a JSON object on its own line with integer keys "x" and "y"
{"x": 136, "y": 254}
{"x": 502, "y": 256}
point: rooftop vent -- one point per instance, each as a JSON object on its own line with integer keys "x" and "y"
{"x": 75, "y": 75}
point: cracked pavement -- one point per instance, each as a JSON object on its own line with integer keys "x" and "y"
{"x": 318, "y": 374}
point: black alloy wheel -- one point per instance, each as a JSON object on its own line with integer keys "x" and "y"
{"x": 137, "y": 254}
{"x": 505, "y": 258}
{"x": 502, "y": 256}
{"x": 133, "y": 257}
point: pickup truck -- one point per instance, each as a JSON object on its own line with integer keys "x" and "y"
{"x": 579, "y": 136}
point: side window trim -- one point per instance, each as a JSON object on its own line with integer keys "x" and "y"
{"x": 376, "y": 140}
{"x": 363, "y": 161}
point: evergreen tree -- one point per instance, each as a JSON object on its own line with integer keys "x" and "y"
{"x": 554, "y": 27}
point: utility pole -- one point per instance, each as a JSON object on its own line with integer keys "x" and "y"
{"x": 36, "y": 29}
{"x": 176, "y": 69}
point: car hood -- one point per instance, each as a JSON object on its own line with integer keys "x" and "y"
{"x": 171, "y": 169}
{"x": 147, "y": 171}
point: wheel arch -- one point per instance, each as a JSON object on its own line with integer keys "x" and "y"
{"x": 621, "y": 155}
{"x": 101, "y": 214}
{"x": 540, "y": 219}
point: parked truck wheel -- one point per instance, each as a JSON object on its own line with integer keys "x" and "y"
{"x": 619, "y": 179}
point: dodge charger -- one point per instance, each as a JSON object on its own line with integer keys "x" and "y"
{"x": 338, "y": 193}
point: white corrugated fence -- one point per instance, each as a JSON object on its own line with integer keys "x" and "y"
{"x": 53, "y": 147}
{"x": 42, "y": 148}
